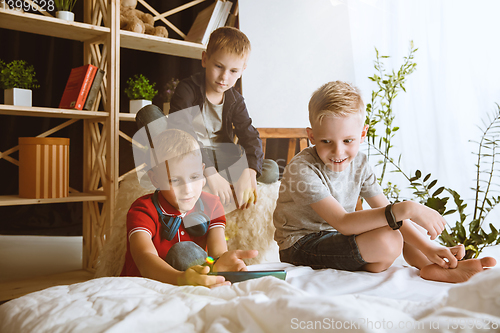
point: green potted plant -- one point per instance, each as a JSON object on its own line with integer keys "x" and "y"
{"x": 140, "y": 92}
{"x": 167, "y": 93}
{"x": 475, "y": 239}
{"x": 65, "y": 9}
{"x": 468, "y": 230}
{"x": 17, "y": 78}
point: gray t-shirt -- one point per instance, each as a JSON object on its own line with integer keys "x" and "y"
{"x": 307, "y": 180}
{"x": 208, "y": 123}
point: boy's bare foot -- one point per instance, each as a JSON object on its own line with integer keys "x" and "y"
{"x": 463, "y": 272}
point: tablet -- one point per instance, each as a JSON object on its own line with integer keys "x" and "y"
{"x": 247, "y": 275}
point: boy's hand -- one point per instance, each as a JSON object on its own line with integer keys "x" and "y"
{"x": 427, "y": 218}
{"x": 246, "y": 189}
{"x": 437, "y": 254}
{"x": 197, "y": 276}
{"x": 219, "y": 186}
{"x": 232, "y": 261}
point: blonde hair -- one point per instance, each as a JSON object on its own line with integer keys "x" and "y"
{"x": 173, "y": 143}
{"x": 337, "y": 99}
{"x": 229, "y": 39}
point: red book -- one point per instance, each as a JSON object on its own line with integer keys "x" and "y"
{"x": 78, "y": 87}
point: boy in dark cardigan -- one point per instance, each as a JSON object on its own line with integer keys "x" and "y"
{"x": 224, "y": 115}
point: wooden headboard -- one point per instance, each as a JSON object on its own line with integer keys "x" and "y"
{"x": 292, "y": 134}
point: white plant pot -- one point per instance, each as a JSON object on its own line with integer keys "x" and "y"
{"x": 17, "y": 96}
{"x": 137, "y": 104}
{"x": 166, "y": 108}
{"x": 65, "y": 15}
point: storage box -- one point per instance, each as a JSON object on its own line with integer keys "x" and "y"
{"x": 43, "y": 168}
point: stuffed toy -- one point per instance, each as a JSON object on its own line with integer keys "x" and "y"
{"x": 134, "y": 20}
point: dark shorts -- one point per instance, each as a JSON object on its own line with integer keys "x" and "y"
{"x": 325, "y": 249}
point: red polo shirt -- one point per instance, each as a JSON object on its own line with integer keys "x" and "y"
{"x": 143, "y": 217}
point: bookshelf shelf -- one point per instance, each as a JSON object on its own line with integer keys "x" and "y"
{"x": 50, "y": 112}
{"x": 148, "y": 43}
{"x": 14, "y": 200}
{"x": 127, "y": 116}
{"x": 49, "y": 26}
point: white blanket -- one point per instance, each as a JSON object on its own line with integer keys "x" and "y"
{"x": 397, "y": 300}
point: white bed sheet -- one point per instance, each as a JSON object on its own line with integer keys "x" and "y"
{"x": 308, "y": 300}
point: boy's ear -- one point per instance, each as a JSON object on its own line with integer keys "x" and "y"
{"x": 364, "y": 133}
{"x": 203, "y": 174}
{"x": 245, "y": 64}
{"x": 204, "y": 59}
{"x": 152, "y": 177}
{"x": 310, "y": 135}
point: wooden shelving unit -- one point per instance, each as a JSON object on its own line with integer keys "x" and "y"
{"x": 102, "y": 40}
{"x": 179, "y": 48}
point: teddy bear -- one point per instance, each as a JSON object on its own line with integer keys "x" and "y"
{"x": 134, "y": 20}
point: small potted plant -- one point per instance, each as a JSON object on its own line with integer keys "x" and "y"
{"x": 167, "y": 93}
{"x": 65, "y": 9}
{"x": 17, "y": 78}
{"x": 140, "y": 92}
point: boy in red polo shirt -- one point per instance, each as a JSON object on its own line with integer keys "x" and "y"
{"x": 171, "y": 232}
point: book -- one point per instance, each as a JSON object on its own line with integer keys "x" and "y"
{"x": 231, "y": 20}
{"x": 77, "y": 87}
{"x": 224, "y": 14}
{"x": 205, "y": 23}
{"x": 94, "y": 90}
{"x": 214, "y": 21}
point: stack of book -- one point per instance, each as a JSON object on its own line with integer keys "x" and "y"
{"x": 82, "y": 88}
{"x": 215, "y": 16}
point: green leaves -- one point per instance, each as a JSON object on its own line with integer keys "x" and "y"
{"x": 17, "y": 74}
{"x": 380, "y": 109}
{"x": 380, "y": 112}
{"x": 438, "y": 204}
{"x": 65, "y": 5}
{"x": 487, "y": 164}
{"x": 140, "y": 88}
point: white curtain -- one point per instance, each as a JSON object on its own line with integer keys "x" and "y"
{"x": 457, "y": 81}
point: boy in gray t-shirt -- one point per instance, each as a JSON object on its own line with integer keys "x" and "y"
{"x": 315, "y": 218}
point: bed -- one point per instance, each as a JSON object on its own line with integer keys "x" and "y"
{"x": 307, "y": 300}
{"x": 396, "y": 300}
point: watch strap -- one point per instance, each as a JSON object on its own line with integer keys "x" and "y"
{"x": 391, "y": 220}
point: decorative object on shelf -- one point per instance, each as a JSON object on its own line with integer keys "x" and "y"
{"x": 65, "y": 9}
{"x": 167, "y": 93}
{"x": 43, "y": 168}
{"x": 17, "y": 78}
{"x": 140, "y": 92}
{"x": 209, "y": 19}
{"x": 134, "y": 20}
{"x": 94, "y": 90}
{"x": 77, "y": 87}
